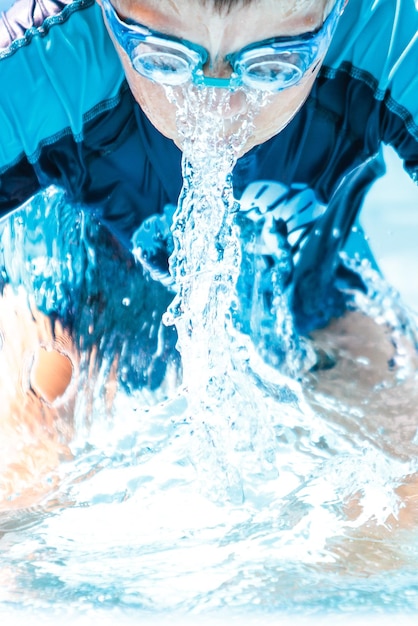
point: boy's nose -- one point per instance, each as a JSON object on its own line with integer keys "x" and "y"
{"x": 229, "y": 102}
{"x": 222, "y": 102}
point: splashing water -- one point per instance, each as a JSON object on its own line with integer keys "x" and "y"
{"x": 206, "y": 258}
{"x": 227, "y": 408}
{"x": 126, "y": 524}
{"x": 301, "y": 467}
{"x": 245, "y": 403}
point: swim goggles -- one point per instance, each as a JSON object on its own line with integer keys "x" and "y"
{"x": 271, "y": 65}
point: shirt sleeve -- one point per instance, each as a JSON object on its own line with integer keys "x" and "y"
{"x": 51, "y": 85}
{"x": 377, "y": 44}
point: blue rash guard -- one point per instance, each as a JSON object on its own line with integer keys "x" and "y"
{"x": 67, "y": 118}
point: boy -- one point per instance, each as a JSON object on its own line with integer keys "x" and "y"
{"x": 89, "y": 113}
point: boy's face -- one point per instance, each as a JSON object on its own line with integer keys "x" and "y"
{"x": 221, "y": 34}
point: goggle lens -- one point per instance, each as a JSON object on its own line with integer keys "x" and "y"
{"x": 162, "y": 64}
{"x": 271, "y": 72}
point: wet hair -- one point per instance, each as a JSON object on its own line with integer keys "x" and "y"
{"x": 224, "y": 6}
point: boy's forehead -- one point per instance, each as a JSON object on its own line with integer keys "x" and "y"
{"x": 179, "y": 7}
{"x": 289, "y": 16}
{"x": 226, "y": 4}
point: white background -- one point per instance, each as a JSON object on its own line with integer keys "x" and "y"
{"x": 390, "y": 219}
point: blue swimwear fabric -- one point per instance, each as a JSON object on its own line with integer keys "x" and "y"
{"x": 67, "y": 118}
